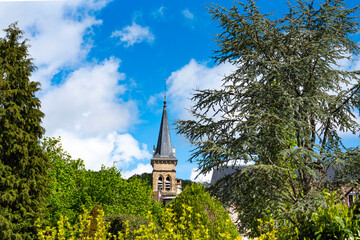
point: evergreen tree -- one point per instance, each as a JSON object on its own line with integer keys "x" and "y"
{"x": 282, "y": 108}
{"x": 23, "y": 165}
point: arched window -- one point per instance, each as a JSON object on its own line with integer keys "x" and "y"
{"x": 160, "y": 183}
{"x": 167, "y": 184}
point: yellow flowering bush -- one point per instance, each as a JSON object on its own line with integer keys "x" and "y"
{"x": 267, "y": 230}
{"x": 187, "y": 227}
{"x": 197, "y": 209}
{"x": 88, "y": 227}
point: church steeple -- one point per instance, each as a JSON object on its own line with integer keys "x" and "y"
{"x": 164, "y": 182}
{"x": 163, "y": 148}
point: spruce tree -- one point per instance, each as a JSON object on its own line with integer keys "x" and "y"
{"x": 282, "y": 108}
{"x": 23, "y": 165}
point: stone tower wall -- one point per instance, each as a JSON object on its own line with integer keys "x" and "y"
{"x": 164, "y": 174}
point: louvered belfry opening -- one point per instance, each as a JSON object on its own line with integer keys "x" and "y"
{"x": 167, "y": 184}
{"x": 160, "y": 183}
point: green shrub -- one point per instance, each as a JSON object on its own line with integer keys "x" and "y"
{"x": 332, "y": 220}
{"x": 187, "y": 227}
{"x": 206, "y": 210}
{"x": 335, "y": 220}
{"x": 194, "y": 214}
{"x": 89, "y": 226}
{"x": 124, "y": 222}
{"x": 72, "y": 186}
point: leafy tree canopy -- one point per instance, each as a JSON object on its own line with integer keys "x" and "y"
{"x": 73, "y": 187}
{"x": 146, "y": 177}
{"x": 282, "y": 108}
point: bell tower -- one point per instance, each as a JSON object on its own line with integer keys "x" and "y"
{"x": 165, "y": 184}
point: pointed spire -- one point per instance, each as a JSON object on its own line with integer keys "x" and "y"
{"x": 163, "y": 148}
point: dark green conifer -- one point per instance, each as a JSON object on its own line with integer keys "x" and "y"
{"x": 23, "y": 165}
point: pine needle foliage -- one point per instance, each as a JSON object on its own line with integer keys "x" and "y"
{"x": 23, "y": 166}
{"x": 282, "y": 108}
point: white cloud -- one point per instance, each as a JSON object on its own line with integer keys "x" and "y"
{"x": 73, "y": 2}
{"x": 31, "y": 0}
{"x": 203, "y": 178}
{"x": 57, "y": 30}
{"x": 126, "y": 149}
{"x": 112, "y": 149}
{"x": 86, "y": 108}
{"x": 345, "y": 134}
{"x": 134, "y": 34}
{"x": 88, "y": 103}
{"x": 141, "y": 168}
{"x": 60, "y": 47}
{"x": 193, "y": 76}
{"x": 348, "y": 65}
{"x": 151, "y": 101}
{"x": 187, "y": 14}
{"x": 88, "y": 113}
{"x": 159, "y": 13}
{"x": 161, "y": 10}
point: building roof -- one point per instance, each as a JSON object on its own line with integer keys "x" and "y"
{"x": 163, "y": 148}
{"x": 219, "y": 173}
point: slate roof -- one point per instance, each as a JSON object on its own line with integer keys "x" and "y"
{"x": 219, "y": 173}
{"x": 163, "y": 148}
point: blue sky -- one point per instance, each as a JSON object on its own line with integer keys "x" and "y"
{"x": 102, "y": 66}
